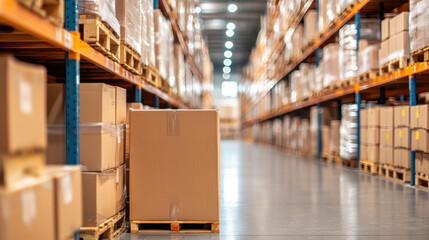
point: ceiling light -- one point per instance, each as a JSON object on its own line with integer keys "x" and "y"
{"x": 229, "y": 44}
{"x": 226, "y": 69}
{"x": 197, "y": 9}
{"x": 227, "y": 54}
{"x": 227, "y": 62}
{"x": 230, "y": 26}
{"x": 232, "y": 8}
{"x": 229, "y": 33}
{"x": 226, "y": 76}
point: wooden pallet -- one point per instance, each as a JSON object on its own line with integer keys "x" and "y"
{"x": 349, "y": 82}
{"x": 165, "y": 86}
{"x": 15, "y": 168}
{"x": 174, "y": 226}
{"x": 53, "y": 10}
{"x": 395, "y": 173}
{"x": 345, "y": 162}
{"x": 110, "y": 229}
{"x": 129, "y": 58}
{"x": 422, "y": 180}
{"x": 99, "y": 35}
{"x": 420, "y": 55}
{"x": 369, "y": 166}
{"x": 368, "y": 75}
{"x": 394, "y": 65}
{"x": 151, "y": 75}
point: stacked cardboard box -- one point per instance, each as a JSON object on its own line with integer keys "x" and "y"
{"x": 419, "y": 126}
{"x": 395, "y": 38}
{"x": 102, "y": 146}
{"x": 38, "y": 202}
{"x": 419, "y": 28}
{"x": 334, "y": 137}
{"x": 370, "y": 134}
{"x": 402, "y": 136}
{"x": 386, "y": 135}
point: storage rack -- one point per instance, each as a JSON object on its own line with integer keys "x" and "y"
{"x": 401, "y": 82}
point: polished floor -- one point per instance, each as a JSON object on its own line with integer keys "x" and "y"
{"x": 269, "y": 194}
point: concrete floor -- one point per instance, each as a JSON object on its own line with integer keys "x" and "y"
{"x": 268, "y": 194}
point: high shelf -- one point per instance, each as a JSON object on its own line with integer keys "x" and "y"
{"x": 408, "y": 81}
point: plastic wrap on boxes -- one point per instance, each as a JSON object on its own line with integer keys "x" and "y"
{"x": 348, "y": 131}
{"x": 294, "y": 133}
{"x": 343, "y": 4}
{"x": 145, "y": 37}
{"x": 128, "y": 13}
{"x": 162, "y": 39}
{"x": 318, "y": 77}
{"x": 297, "y": 42}
{"x": 321, "y": 21}
{"x": 331, "y": 11}
{"x": 307, "y": 78}
{"x": 330, "y": 64}
{"x": 303, "y": 136}
{"x": 148, "y": 38}
{"x": 418, "y": 24}
{"x": 179, "y": 70}
{"x": 294, "y": 82}
{"x": 310, "y": 26}
{"x": 313, "y": 129}
{"x": 103, "y": 8}
{"x": 368, "y": 58}
{"x": 151, "y": 32}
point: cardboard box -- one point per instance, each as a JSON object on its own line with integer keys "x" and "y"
{"x": 386, "y": 155}
{"x": 373, "y": 135}
{"x": 183, "y": 182}
{"x": 310, "y": 26}
{"x": 363, "y": 117}
{"x": 373, "y": 153}
{"x": 335, "y": 136}
{"x": 97, "y": 103}
{"x": 402, "y": 43}
{"x": 28, "y": 212}
{"x": 401, "y": 116}
{"x": 363, "y": 152}
{"x": 121, "y": 194}
{"x": 386, "y": 117}
{"x": 402, "y": 158}
{"x": 364, "y": 135}
{"x": 401, "y": 22}
{"x": 386, "y": 137}
{"x": 120, "y": 144}
{"x": 422, "y": 163}
{"x": 419, "y": 116}
{"x": 136, "y": 106}
{"x": 326, "y": 132}
{"x": 402, "y": 137}
{"x": 68, "y": 200}
{"x": 99, "y": 197}
{"x": 22, "y": 106}
{"x": 121, "y": 105}
{"x": 385, "y": 29}
{"x": 56, "y": 103}
{"x": 374, "y": 117}
{"x": 419, "y": 140}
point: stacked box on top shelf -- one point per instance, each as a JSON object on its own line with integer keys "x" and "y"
{"x": 368, "y": 62}
{"x": 26, "y": 182}
{"x": 419, "y": 30}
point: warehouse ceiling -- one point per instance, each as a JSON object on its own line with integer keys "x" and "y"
{"x": 246, "y": 18}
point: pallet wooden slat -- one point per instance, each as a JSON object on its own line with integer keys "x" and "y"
{"x": 394, "y": 65}
{"x": 395, "y": 173}
{"x": 369, "y": 166}
{"x": 53, "y": 10}
{"x": 422, "y": 180}
{"x": 129, "y": 58}
{"x": 368, "y": 75}
{"x": 174, "y": 226}
{"x": 108, "y": 230}
{"x": 420, "y": 55}
{"x": 151, "y": 75}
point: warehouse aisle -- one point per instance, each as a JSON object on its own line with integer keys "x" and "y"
{"x": 268, "y": 194}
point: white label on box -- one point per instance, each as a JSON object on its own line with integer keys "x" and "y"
{"x": 29, "y": 209}
{"x": 25, "y": 97}
{"x": 117, "y": 176}
{"x": 66, "y": 189}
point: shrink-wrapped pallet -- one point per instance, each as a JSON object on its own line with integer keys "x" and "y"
{"x": 162, "y": 40}
{"x": 368, "y": 58}
{"x": 295, "y": 78}
{"x": 348, "y": 131}
{"x": 278, "y": 133}
{"x": 418, "y": 24}
{"x": 286, "y": 131}
{"x": 294, "y": 132}
{"x": 128, "y": 13}
{"x": 148, "y": 38}
{"x": 330, "y": 65}
{"x": 105, "y": 9}
{"x": 179, "y": 71}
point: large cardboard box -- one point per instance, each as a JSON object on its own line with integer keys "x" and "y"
{"x": 386, "y": 155}
{"x": 97, "y": 103}
{"x": 401, "y": 116}
{"x": 419, "y": 116}
{"x": 402, "y": 157}
{"x": 121, "y": 105}
{"x": 99, "y": 196}
{"x": 120, "y": 191}
{"x": 364, "y": 117}
{"x": 385, "y": 29}
{"x": 326, "y": 132}
{"x": 401, "y": 22}
{"x": 183, "y": 182}
{"x": 363, "y": 152}
{"x": 374, "y": 117}
{"x": 56, "y": 103}
{"x": 386, "y": 117}
{"x": 335, "y": 136}
{"x": 373, "y": 153}
{"x": 422, "y": 163}
{"x": 364, "y": 135}
{"x": 136, "y": 106}
{"x": 28, "y": 212}
{"x": 402, "y": 43}
{"x": 419, "y": 140}
{"x": 402, "y": 137}
{"x": 386, "y": 136}
{"x": 22, "y": 106}
{"x": 67, "y": 200}
{"x": 373, "y": 135}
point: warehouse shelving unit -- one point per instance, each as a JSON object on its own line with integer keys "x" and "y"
{"x": 401, "y": 82}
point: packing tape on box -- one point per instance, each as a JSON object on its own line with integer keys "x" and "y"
{"x": 29, "y": 207}
{"x": 173, "y": 128}
{"x": 66, "y": 189}
{"x": 88, "y": 128}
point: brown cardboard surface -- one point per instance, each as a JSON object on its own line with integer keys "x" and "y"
{"x": 415, "y": 116}
{"x": 99, "y": 197}
{"x": 97, "y": 103}
{"x": 373, "y": 135}
{"x": 56, "y": 103}
{"x": 364, "y": 135}
{"x": 419, "y": 140}
{"x": 401, "y": 22}
{"x": 386, "y": 117}
{"x": 373, "y": 117}
{"x": 326, "y": 132}
{"x": 183, "y": 182}
{"x": 423, "y": 118}
{"x": 363, "y": 151}
{"x": 385, "y": 29}
{"x": 22, "y": 106}
{"x": 386, "y": 136}
{"x": 402, "y": 137}
{"x": 68, "y": 199}
{"x": 363, "y": 117}
{"x": 120, "y": 144}
{"x": 373, "y": 153}
{"x": 120, "y": 192}
{"x": 406, "y": 158}
{"x": 28, "y": 212}
{"x": 401, "y": 116}
{"x": 121, "y": 105}
{"x": 422, "y": 163}
{"x": 402, "y": 42}
{"x": 402, "y": 157}
{"x": 335, "y": 136}
{"x": 136, "y": 106}
{"x": 386, "y": 155}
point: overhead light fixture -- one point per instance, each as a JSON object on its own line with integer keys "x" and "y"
{"x": 229, "y": 44}
{"x": 227, "y": 54}
{"x": 232, "y": 8}
{"x": 226, "y": 76}
{"x": 197, "y": 9}
{"x": 229, "y": 33}
{"x": 230, "y": 26}
{"x": 226, "y": 70}
{"x": 227, "y": 62}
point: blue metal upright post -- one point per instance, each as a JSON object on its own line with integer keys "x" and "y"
{"x": 317, "y": 57}
{"x": 137, "y": 94}
{"x": 382, "y": 99}
{"x": 156, "y": 102}
{"x": 413, "y": 102}
{"x": 319, "y": 130}
{"x": 155, "y": 4}
{"x": 339, "y": 114}
{"x": 358, "y": 102}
